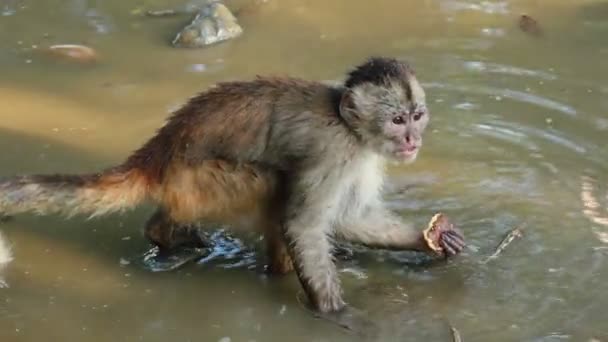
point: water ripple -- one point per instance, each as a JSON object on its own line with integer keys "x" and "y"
{"x": 518, "y": 134}
{"x": 506, "y": 133}
{"x": 490, "y": 7}
{"x": 507, "y": 93}
{"x": 507, "y": 69}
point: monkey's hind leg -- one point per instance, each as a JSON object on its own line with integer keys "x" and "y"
{"x": 278, "y": 255}
{"x": 177, "y": 243}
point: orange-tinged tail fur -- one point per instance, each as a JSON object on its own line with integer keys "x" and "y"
{"x": 96, "y": 194}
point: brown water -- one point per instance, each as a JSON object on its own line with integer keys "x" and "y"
{"x": 519, "y": 136}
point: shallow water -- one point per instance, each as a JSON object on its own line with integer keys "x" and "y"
{"x": 518, "y": 137}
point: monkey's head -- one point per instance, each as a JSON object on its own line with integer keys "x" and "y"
{"x": 385, "y": 105}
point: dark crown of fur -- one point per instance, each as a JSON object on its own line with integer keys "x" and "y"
{"x": 378, "y": 70}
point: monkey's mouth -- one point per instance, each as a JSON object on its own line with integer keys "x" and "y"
{"x": 406, "y": 152}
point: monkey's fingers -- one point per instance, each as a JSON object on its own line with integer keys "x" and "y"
{"x": 454, "y": 235}
{"x": 452, "y": 242}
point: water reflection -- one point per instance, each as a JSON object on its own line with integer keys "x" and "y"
{"x": 490, "y": 7}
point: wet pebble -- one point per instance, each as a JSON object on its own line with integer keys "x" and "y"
{"x": 72, "y": 52}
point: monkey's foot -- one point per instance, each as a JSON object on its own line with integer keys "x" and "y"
{"x": 157, "y": 260}
{"x": 442, "y": 237}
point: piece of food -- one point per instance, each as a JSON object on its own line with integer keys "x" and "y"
{"x": 433, "y": 231}
{"x": 442, "y": 237}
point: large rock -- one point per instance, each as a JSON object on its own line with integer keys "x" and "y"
{"x": 213, "y": 23}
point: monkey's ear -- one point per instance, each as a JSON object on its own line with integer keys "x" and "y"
{"x": 347, "y": 106}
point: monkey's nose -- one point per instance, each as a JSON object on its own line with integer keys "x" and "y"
{"x": 410, "y": 140}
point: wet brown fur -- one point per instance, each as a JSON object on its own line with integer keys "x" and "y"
{"x": 197, "y": 166}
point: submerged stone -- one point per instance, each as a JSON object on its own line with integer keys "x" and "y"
{"x": 73, "y": 52}
{"x": 213, "y": 23}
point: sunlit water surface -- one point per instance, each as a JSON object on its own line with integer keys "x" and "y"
{"x": 518, "y": 137}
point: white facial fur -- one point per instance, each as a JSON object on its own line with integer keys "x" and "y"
{"x": 390, "y": 118}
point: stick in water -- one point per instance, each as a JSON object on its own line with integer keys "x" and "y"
{"x": 506, "y": 241}
{"x": 162, "y": 13}
{"x": 455, "y": 334}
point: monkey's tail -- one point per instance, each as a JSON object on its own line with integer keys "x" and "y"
{"x": 114, "y": 190}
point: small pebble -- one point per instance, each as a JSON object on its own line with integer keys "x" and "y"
{"x": 197, "y": 68}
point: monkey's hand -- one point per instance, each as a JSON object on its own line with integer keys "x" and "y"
{"x": 442, "y": 238}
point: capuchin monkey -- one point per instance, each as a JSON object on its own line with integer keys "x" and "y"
{"x": 301, "y": 161}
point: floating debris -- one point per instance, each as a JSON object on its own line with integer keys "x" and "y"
{"x": 529, "y": 25}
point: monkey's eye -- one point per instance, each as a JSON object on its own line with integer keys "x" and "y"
{"x": 418, "y": 115}
{"x": 398, "y": 120}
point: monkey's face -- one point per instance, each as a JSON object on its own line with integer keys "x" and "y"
{"x": 391, "y": 118}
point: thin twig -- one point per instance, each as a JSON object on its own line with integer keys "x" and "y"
{"x": 162, "y": 13}
{"x": 506, "y": 241}
{"x": 455, "y": 333}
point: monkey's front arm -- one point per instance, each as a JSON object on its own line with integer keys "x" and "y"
{"x": 381, "y": 228}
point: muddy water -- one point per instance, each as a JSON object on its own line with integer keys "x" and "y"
{"x": 518, "y": 137}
